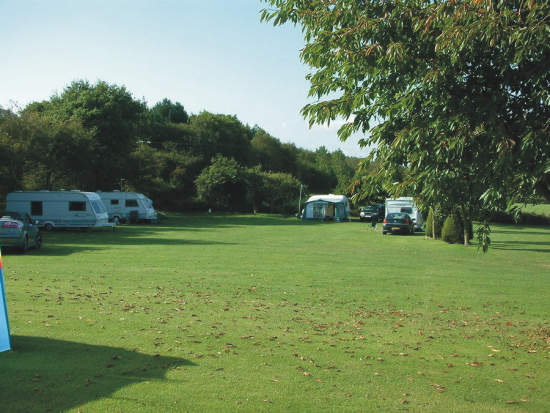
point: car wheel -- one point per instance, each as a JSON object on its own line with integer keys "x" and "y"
{"x": 48, "y": 227}
{"x": 116, "y": 220}
{"x": 383, "y": 232}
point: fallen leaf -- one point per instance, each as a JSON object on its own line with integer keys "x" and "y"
{"x": 438, "y": 387}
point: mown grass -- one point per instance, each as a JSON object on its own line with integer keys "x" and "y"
{"x": 539, "y": 209}
{"x": 265, "y": 313}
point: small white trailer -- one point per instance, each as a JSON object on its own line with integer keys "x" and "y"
{"x": 121, "y": 205}
{"x": 60, "y": 209}
{"x": 408, "y": 206}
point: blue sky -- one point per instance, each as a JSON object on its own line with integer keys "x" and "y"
{"x": 212, "y": 55}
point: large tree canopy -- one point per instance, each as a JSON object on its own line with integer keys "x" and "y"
{"x": 456, "y": 92}
{"x": 113, "y": 115}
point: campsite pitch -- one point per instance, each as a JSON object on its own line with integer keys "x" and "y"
{"x": 266, "y": 313}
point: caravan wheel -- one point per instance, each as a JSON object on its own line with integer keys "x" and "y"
{"x": 48, "y": 227}
{"x": 116, "y": 220}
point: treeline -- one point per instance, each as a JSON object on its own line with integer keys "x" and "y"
{"x": 98, "y": 137}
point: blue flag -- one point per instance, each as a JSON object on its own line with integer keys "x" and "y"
{"x": 4, "y": 325}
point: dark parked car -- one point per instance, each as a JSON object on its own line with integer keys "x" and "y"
{"x": 366, "y": 213}
{"x": 398, "y": 222}
{"x": 19, "y": 231}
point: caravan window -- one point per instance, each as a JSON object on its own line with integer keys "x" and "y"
{"x": 98, "y": 207}
{"x": 114, "y": 201}
{"x": 407, "y": 210}
{"x": 77, "y": 206}
{"x": 36, "y": 208}
{"x": 131, "y": 203}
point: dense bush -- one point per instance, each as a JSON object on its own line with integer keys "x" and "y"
{"x": 452, "y": 231}
{"x": 228, "y": 186}
{"x": 281, "y": 192}
{"x": 222, "y": 185}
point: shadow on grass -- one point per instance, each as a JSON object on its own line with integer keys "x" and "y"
{"x": 516, "y": 229}
{"x": 201, "y": 221}
{"x": 526, "y": 233}
{"x": 522, "y": 231}
{"x": 43, "y": 374}
{"x": 176, "y": 230}
{"x": 521, "y": 246}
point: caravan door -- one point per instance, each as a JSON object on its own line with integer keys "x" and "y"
{"x": 80, "y": 213}
{"x": 115, "y": 207}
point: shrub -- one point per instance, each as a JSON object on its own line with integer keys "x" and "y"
{"x": 222, "y": 185}
{"x": 452, "y": 230}
{"x": 436, "y": 223}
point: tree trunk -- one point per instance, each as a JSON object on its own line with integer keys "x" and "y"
{"x": 466, "y": 222}
{"x": 433, "y": 223}
{"x": 467, "y": 233}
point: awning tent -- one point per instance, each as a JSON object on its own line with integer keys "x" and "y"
{"x": 326, "y": 208}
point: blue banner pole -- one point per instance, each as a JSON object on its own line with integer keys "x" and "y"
{"x": 5, "y": 341}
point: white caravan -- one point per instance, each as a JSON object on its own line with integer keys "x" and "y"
{"x": 60, "y": 209}
{"x": 120, "y": 205}
{"x": 408, "y": 206}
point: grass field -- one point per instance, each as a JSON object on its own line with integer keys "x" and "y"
{"x": 540, "y": 209}
{"x": 265, "y": 313}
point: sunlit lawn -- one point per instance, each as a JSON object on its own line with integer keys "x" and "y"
{"x": 265, "y": 313}
{"x": 540, "y": 209}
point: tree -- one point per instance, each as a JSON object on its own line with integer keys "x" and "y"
{"x": 168, "y": 122}
{"x": 455, "y": 92}
{"x": 13, "y": 151}
{"x": 167, "y": 112}
{"x": 274, "y": 191}
{"x": 270, "y": 153}
{"x": 222, "y": 185}
{"x": 221, "y": 134}
{"x": 112, "y": 114}
{"x": 167, "y": 176}
{"x": 59, "y": 153}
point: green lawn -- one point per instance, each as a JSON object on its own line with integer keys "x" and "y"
{"x": 264, "y": 313}
{"x": 540, "y": 209}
